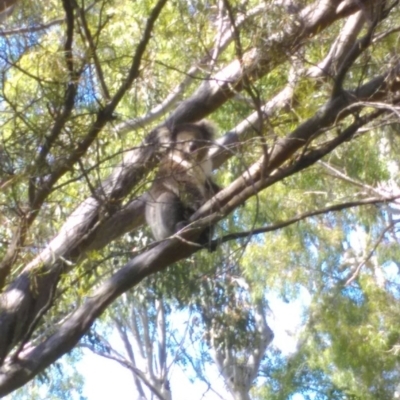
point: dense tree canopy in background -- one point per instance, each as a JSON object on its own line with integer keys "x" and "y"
{"x": 305, "y": 96}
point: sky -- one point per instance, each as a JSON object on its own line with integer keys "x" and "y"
{"x": 106, "y": 379}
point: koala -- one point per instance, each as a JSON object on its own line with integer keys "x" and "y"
{"x": 183, "y": 182}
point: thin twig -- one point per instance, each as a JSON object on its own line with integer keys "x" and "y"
{"x": 370, "y": 254}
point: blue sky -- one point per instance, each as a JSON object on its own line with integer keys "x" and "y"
{"x": 107, "y": 379}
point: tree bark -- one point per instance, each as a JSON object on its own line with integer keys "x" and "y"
{"x": 92, "y": 225}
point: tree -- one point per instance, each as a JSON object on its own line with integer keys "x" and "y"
{"x": 6, "y": 8}
{"x": 224, "y": 325}
{"x": 308, "y": 96}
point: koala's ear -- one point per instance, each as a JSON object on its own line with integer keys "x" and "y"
{"x": 160, "y": 137}
{"x": 163, "y": 136}
{"x": 208, "y": 128}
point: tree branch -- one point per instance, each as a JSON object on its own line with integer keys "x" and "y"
{"x": 326, "y": 210}
{"x": 14, "y": 328}
{"x": 21, "y": 305}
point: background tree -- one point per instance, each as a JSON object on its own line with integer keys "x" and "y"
{"x": 307, "y": 95}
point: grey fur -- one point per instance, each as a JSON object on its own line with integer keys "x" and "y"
{"x": 183, "y": 182}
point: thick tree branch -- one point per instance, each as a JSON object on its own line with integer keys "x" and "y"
{"x": 131, "y": 216}
{"x": 358, "y": 48}
{"x": 208, "y": 97}
{"x": 260, "y": 175}
{"x": 21, "y": 305}
{"x": 13, "y": 329}
{"x": 258, "y": 61}
{"x": 17, "y": 371}
{"x": 340, "y": 48}
{"x": 177, "y": 92}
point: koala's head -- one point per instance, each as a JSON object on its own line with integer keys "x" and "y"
{"x": 193, "y": 140}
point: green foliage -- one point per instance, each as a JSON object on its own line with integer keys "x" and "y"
{"x": 345, "y": 261}
{"x": 348, "y": 338}
{"x": 60, "y": 382}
